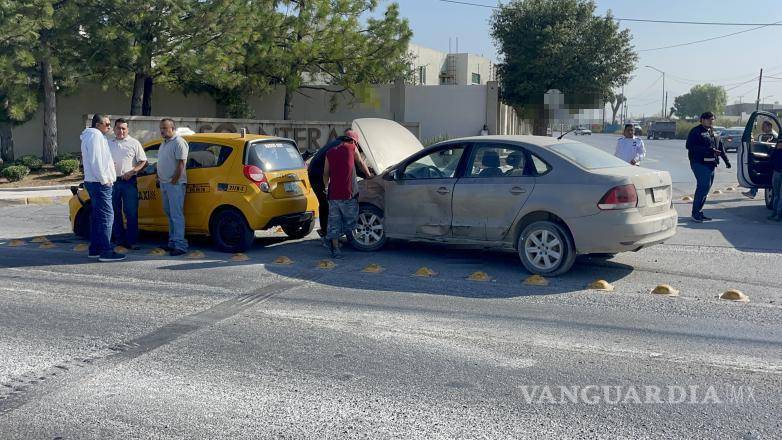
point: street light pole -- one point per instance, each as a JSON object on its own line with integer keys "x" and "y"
{"x": 662, "y": 106}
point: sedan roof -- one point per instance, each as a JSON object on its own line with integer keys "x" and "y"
{"x": 538, "y": 141}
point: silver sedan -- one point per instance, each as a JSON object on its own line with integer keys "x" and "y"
{"x": 545, "y": 199}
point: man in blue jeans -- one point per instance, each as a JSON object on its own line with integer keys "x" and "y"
{"x": 172, "y": 176}
{"x": 704, "y": 150}
{"x": 129, "y": 159}
{"x": 99, "y": 177}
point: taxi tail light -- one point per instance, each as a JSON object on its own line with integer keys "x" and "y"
{"x": 255, "y": 175}
{"x": 619, "y": 197}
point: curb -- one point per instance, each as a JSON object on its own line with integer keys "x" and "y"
{"x": 52, "y": 200}
{"x": 37, "y": 188}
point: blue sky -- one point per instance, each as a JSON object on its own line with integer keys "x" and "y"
{"x": 726, "y": 61}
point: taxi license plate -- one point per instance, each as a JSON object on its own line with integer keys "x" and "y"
{"x": 292, "y": 187}
{"x": 660, "y": 195}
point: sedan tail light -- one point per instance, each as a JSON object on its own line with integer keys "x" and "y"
{"x": 255, "y": 175}
{"x": 730, "y": 139}
{"x": 619, "y": 197}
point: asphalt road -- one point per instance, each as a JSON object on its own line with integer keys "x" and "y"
{"x": 160, "y": 347}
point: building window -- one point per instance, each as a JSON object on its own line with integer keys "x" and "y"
{"x": 422, "y": 75}
{"x": 476, "y": 78}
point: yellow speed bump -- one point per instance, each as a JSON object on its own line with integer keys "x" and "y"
{"x": 81, "y": 247}
{"x": 278, "y": 230}
{"x": 40, "y": 239}
{"x": 158, "y": 252}
{"x": 425, "y": 272}
{"x": 16, "y": 243}
{"x": 687, "y": 199}
{"x": 717, "y": 191}
{"x": 283, "y": 260}
{"x": 47, "y": 245}
{"x": 195, "y": 255}
{"x": 665, "y": 289}
{"x": 735, "y": 295}
{"x": 601, "y": 285}
{"x": 239, "y": 257}
{"x": 121, "y": 249}
{"x": 326, "y": 264}
{"x": 730, "y": 188}
{"x": 373, "y": 268}
{"x": 536, "y": 280}
{"x": 479, "y": 276}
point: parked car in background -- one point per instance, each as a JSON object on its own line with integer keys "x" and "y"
{"x": 638, "y": 130}
{"x": 545, "y": 199}
{"x": 718, "y": 129}
{"x": 731, "y": 138}
{"x": 754, "y": 159}
{"x": 583, "y": 131}
{"x": 661, "y": 130}
{"x": 236, "y": 184}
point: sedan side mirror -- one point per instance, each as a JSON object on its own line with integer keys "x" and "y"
{"x": 392, "y": 175}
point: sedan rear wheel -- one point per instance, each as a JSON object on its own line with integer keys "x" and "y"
{"x": 546, "y": 249}
{"x": 370, "y": 233}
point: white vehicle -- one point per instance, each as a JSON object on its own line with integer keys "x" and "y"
{"x": 583, "y": 131}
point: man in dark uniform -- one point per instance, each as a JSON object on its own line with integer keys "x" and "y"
{"x": 315, "y": 174}
{"x": 704, "y": 150}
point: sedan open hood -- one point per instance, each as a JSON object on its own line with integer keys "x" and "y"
{"x": 385, "y": 142}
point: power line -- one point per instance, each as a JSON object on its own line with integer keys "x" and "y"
{"x": 708, "y": 39}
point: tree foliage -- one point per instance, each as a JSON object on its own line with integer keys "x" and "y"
{"x": 701, "y": 98}
{"x": 562, "y": 45}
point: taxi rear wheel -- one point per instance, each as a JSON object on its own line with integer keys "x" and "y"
{"x": 298, "y": 230}
{"x": 230, "y": 232}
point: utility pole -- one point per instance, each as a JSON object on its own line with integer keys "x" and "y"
{"x": 760, "y": 83}
{"x": 664, "y": 97}
{"x": 665, "y": 107}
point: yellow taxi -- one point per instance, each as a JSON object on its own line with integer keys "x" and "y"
{"x": 236, "y": 184}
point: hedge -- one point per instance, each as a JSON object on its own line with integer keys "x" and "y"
{"x": 67, "y": 167}
{"x": 15, "y": 173}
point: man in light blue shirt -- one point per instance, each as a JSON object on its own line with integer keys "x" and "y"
{"x": 630, "y": 148}
{"x": 172, "y": 176}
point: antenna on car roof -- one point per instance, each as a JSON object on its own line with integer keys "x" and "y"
{"x": 243, "y": 132}
{"x": 563, "y": 134}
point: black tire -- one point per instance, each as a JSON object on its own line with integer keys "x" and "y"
{"x": 370, "y": 234}
{"x": 553, "y": 240}
{"x": 769, "y": 198}
{"x": 230, "y": 232}
{"x": 299, "y": 230}
{"x": 81, "y": 224}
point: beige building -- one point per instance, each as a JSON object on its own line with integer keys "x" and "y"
{"x": 432, "y": 67}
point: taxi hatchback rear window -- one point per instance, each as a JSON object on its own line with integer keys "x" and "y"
{"x": 274, "y": 156}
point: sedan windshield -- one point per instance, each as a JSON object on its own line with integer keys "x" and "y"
{"x": 587, "y": 157}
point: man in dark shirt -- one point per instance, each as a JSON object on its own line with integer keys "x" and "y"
{"x": 704, "y": 150}
{"x": 776, "y": 181}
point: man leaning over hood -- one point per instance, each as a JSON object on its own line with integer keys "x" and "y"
{"x": 99, "y": 176}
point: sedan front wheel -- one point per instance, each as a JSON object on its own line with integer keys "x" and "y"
{"x": 546, "y": 249}
{"x": 370, "y": 233}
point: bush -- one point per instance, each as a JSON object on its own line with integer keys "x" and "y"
{"x": 15, "y": 173}
{"x": 67, "y": 167}
{"x": 34, "y": 163}
{"x": 683, "y": 128}
{"x": 66, "y": 156}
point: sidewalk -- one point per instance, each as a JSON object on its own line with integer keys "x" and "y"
{"x": 35, "y": 196}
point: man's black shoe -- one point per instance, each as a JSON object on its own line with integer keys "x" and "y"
{"x": 111, "y": 257}
{"x": 706, "y": 219}
{"x": 176, "y": 252}
{"x": 697, "y": 219}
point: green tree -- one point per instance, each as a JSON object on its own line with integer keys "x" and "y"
{"x": 325, "y": 45}
{"x": 19, "y": 25}
{"x": 562, "y": 45}
{"x": 701, "y": 98}
{"x": 135, "y": 45}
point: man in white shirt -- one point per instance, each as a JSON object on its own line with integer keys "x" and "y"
{"x": 129, "y": 159}
{"x": 630, "y": 148}
{"x": 99, "y": 176}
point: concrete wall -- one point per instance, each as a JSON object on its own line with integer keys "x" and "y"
{"x": 452, "y": 111}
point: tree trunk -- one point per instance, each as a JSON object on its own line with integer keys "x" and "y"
{"x": 540, "y": 123}
{"x": 6, "y": 142}
{"x": 49, "y": 112}
{"x": 288, "y": 104}
{"x": 146, "y": 104}
{"x": 138, "y": 94}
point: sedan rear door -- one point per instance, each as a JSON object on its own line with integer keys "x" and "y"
{"x": 496, "y": 184}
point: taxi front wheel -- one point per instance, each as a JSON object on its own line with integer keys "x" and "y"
{"x": 230, "y": 232}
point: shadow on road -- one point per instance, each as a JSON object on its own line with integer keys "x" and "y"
{"x": 399, "y": 261}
